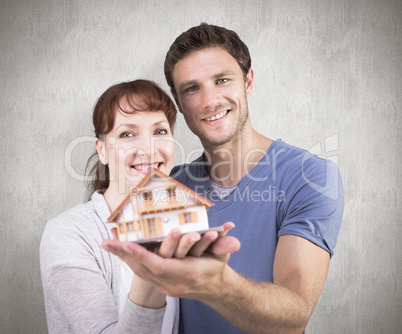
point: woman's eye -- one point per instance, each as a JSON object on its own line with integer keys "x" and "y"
{"x": 161, "y": 132}
{"x": 126, "y": 135}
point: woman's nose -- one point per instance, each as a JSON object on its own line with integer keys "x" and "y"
{"x": 146, "y": 147}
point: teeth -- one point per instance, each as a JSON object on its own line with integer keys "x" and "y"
{"x": 146, "y": 167}
{"x": 213, "y": 118}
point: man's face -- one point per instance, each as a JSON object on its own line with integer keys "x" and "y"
{"x": 212, "y": 95}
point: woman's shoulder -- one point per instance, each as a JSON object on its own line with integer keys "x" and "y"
{"x": 73, "y": 240}
{"x": 76, "y": 215}
{"x": 81, "y": 222}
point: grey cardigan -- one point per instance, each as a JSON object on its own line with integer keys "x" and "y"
{"x": 81, "y": 281}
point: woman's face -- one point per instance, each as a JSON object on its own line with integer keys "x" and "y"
{"x": 138, "y": 141}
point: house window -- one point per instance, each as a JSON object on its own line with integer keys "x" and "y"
{"x": 130, "y": 226}
{"x": 152, "y": 227}
{"x": 147, "y": 196}
{"x": 121, "y": 228}
{"x": 171, "y": 193}
{"x": 188, "y": 217}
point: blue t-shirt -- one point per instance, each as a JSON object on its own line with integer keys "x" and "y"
{"x": 290, "y": 191}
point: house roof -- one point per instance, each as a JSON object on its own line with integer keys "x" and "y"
{"x": 144, "y": 181}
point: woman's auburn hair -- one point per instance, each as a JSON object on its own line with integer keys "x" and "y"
{"x": 148, "y": 97}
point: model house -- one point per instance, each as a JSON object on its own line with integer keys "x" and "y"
{"x": 157, "y": 205}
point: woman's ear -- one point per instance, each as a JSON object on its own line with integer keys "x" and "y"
{"x": 101, "y": 149}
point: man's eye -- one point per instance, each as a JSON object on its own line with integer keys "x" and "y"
{"x": 161, "y": 132}
{"x": 191, "y": 89}
{"x": 220, "y": 81}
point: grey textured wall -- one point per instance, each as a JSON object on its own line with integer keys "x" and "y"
{"x": 328, "y": 78}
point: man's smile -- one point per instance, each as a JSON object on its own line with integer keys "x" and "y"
{"x": 218, "y": 116}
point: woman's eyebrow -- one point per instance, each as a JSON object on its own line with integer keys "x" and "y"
{"x": 128, "y": 125}
{"x": 160, "y": 122}
{"x": 134, "y": 126}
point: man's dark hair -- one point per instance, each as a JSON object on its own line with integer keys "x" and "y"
{"x": 202, "y": 37}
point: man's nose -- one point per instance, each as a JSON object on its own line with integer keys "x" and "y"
{"x": 209, "y": 98}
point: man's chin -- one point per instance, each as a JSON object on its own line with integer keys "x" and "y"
{"x": 215, "y": 141}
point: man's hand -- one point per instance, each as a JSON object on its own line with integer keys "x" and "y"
{"x": 198, "y": 261}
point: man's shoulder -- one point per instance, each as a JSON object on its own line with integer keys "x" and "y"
{"x": 190, "y": 172}
{"x": 291, "y": 158}
{"x": 300, "y": 169}
{"x": 295, "y": 168}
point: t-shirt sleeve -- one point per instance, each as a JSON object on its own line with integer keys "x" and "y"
{"x": 315, "y": 209}
{"x": 138, "y": 319}
{"x": 78, "y": 297}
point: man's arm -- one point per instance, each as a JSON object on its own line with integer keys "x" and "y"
{"x": 285, "y": 306}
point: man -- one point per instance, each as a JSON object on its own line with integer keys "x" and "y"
{"x": 286, "y": 204}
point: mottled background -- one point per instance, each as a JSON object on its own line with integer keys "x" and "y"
{"x": 327, "y": 78}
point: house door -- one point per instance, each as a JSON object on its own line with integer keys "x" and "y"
{"x": 153, "y": 227}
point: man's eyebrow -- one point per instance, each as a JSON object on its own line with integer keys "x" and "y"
{"x": 224, "y": 74}
{"x": 188, "y": 83}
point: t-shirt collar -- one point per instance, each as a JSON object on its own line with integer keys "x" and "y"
{"x": 100, "y": 205}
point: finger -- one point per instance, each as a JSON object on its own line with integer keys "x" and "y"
{"x": 113, "y": 246}
{"x": 169, "y": 245}
{"x": 206, "y": 240}
{"x": 186, "y": 242}
{"x": 148, "y": 265}
{"x": 123, "y": 250}
{"x": 226, "y": 228}
{"x": 137, "y": 257}
{"x": 133, "y": 254}
{"x": 225, "y": 245}
{"x": 114, "y": 232}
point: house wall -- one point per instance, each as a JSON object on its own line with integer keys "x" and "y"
{"x": 129, "y": 211}
{"x": 173, "y": 220}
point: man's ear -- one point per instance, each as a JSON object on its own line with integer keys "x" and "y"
{"x": 101, "y": 149}
{"x": 176, "y": 99}
{"x": 249, "y": 82}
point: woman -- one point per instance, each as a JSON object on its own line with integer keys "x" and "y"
{"x": 87, "y": 289}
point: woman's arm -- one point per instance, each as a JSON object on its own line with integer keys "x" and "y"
{"x": 80, "y": 288}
